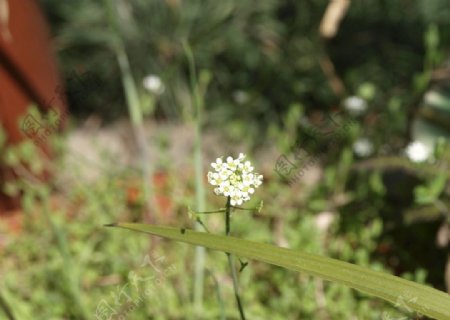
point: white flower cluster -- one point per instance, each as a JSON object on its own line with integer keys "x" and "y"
{"x": 363, "y": 147}
{"x": 355, "y": 105}
{"x": 418, "y": 151}
{"x": 234, "y": 178}
{"x": 153, "y": 84}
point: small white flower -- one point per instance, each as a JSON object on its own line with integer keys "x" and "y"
{"x": 241, "y": 97}
{"x": 234, "y": 178}
{"x": 363, "y": 147}
{"x": 417, "y": 151}
{"x": 153, "y": 84}
{"x": 355, "y": 105}
{"x": 218, "y": 164}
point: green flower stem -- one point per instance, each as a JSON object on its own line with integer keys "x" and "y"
{"x": 200, "y": 222}
{"x": 243, "y": 264}
{"x": 245, "y": 209}
{"x": 211, "y": 212}
{"x": 231, "y": 259}
{"x": 218, "y": 293}
{"x": 199, "y": 273}
{"x": 134, "y": 107}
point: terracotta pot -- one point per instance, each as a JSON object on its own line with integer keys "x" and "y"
{"x": 28, "y": 74}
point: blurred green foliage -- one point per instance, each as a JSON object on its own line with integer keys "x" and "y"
{"x": 264, "y": 57}
{"x": 65, "y": 265}
{"x": 261, "y": 77}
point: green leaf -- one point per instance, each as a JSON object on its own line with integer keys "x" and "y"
{"x": 423, "y": 299}
{"x": 430, "y": 193}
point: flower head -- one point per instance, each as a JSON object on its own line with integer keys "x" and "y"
{"x": 355, "y": 105}
{"x": 153, "y": 84}
{"x": 234, "y": 178}
{"x": 363, "y": 147}
{"x": 417, "y": 151}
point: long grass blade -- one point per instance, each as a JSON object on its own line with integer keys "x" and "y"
{"x": 420, "y": 298}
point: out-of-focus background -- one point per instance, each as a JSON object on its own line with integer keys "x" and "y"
{"x": 113, "y": 110}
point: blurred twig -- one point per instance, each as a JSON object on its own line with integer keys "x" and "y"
{"x": 332, "y": 18}
{"x": 328, "y": 69}
{"x": 329, "y": 27}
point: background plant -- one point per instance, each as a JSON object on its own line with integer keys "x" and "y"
{"x": 266, "y": 88}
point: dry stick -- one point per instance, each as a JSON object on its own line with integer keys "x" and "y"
{"x": 329, "y": 27}
{"x": 328, "y": 69}
{"x": 332, "y": 18}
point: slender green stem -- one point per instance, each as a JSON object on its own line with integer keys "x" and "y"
{"x": 245, "y": 209}
{"x": 218, "y": 293}
{"x": 210, "y": 212}
{"x": 231, "y": 259}
{"x": 202, "y": 224}
{"x": 228, "y": 217}
{"x": 199, "y": 188}
{"x": 134, "y": 107}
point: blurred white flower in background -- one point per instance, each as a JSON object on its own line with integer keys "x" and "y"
{"x": 153, "y": 84}
{"x": 417, "y": 151}
{"x": 363, "y": 147}
{"x": 324, "y": 220}
{"x": 240, "y": 96}
{"x": 355, "y": 105}
{"x": 234, "y": 178}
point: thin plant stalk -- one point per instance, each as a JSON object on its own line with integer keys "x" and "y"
{"x": 218, "y": 294}
{"x": 231, "y": 260}
{"x": 134, "y": 109}
{"x": 70, "y": 274}
{"x": 199, "y": 273}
